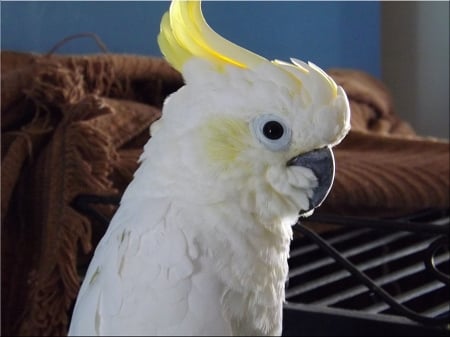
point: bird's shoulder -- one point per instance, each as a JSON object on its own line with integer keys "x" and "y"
{"x": 146, "y": 276}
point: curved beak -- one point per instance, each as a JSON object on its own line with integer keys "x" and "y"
{"x": 321, "y": 162}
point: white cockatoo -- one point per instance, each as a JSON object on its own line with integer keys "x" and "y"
{"x": 200, "y": 242}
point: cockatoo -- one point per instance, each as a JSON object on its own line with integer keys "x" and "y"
{"x": 200, "y": 241}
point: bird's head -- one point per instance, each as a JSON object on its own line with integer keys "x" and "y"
{"x": 261, "y": 129}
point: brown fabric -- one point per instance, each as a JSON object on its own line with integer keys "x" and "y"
{"x": 383, "y": 168}
{"x": 74, "y": 125}
{"x": 70, "y": 126}
{"x": 377, "y": 175}
{"x": 371, "y": 104}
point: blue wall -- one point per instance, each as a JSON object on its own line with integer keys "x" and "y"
{"x": 330, "y": 34}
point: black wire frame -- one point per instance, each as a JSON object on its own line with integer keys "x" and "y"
{"x": 84, "y": 203}
{"x": 441, "y": 241}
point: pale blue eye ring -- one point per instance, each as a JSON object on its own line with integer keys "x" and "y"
{"x": 271, "y": 131}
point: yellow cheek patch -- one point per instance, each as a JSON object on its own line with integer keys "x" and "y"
{"x": 225, "y": 139}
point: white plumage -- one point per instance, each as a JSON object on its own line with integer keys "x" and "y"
{"x": 200, "y": 242}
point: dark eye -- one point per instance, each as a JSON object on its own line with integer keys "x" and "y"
{"x": 271, "y": 131}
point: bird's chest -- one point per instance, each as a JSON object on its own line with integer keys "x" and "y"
{"x": 255, "y": 312}
{"x": 253, "y": 297}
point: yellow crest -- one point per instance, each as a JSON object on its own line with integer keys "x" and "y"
{"x": 185, "y": 34}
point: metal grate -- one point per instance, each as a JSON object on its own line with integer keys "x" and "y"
{"x": 372, "y": 274}
{"x": 366, "y": 277}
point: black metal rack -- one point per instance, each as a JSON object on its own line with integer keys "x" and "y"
{"x": 367, "y": 276}
{"x": 370, "y": 276}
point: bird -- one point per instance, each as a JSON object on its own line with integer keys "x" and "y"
{"x": 200, "y": 241}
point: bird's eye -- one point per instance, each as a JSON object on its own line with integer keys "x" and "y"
{"x": 272, "y": 132}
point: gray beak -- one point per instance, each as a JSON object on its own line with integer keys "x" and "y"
{"x": 321, "y": 162}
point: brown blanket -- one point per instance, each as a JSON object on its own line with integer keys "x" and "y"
{"x": 74, "y": 125}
